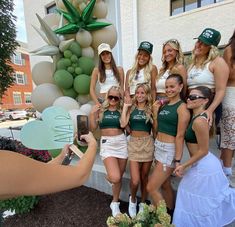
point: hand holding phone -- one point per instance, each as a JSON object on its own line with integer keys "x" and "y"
{"x": 82, "y": 128}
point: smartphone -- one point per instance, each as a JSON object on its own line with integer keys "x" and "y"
{"x": 82, "y": 128}
{"x": 100, "y": 100}
{"x": 68, "y": 158}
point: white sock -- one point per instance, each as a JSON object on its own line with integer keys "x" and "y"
{"x": 227, "y": 171}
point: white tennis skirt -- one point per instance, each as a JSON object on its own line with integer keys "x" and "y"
{"x": 113, "y": 146}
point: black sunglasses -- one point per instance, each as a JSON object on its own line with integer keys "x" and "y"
{"x": 194, "y": 97}
{"x": 137, "y": 75}
{"x": 110, "y": 97}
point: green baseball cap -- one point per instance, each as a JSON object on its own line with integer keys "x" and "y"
{"x": 147, "y": 46}
{"x": 210, "y": 36}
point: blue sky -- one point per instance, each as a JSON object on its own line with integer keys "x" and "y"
{"x": 20, "y": 24}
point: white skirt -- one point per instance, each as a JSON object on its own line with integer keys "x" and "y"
{"x": 113, "y": 146}
{"x": 204, "y": 198}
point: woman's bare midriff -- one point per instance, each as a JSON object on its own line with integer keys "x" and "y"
{"x": 163, "y": 137}
{"x": 111, "y": 131}
{"x": 139, "y": 133}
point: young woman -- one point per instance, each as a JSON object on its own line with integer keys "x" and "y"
{"x": 107, "y": 74}
{"x": 228, "y": 112}
{"x": 209, "y": 69}
{"x": 113, "y": 142}
{"x": 143, "y": 70}
{"x": 172, "y": 62}
{"x": 204, "y": 197}
{"x": 21, "y": 175}
{"x": 140, "y": 145}
{"x": 172, "y": 121}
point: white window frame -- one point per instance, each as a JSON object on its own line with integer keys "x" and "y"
{"x": 19, "y": 78}
{"x": 27, "y": 96}
{"x": 17, "y": 99}
{"x": 17, "y": 59}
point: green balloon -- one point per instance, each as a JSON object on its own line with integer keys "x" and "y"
{"x": 76, "y": 49}
{"x": 82, "y": 84}
{"x": 63, "y": 79}
{"x": 63, "y": 63}
{"x": 70, "y": 69}
{"x": 75, "y": 65}
{"x": 68, "y": 53}
{"x": 74, "y": 58}
{"x": 78, "y": 70}
{"x": 70, "y": 92}
{"x": 86, "y": 64}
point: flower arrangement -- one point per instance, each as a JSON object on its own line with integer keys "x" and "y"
{"x": 150, "y": 217}
{"x": 22, "y": 204}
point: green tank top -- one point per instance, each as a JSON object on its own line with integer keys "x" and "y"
{"x": 190, "y": 136}
{"x": 168, "y": 119}
{"x": 111, "y": 119}
{"x": 138, "y": 121}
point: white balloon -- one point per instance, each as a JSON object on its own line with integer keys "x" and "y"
{"x": 100, "y": 9}
{"x": 84, "y": 38}
{"x": 73, "y": 114}
{"x": 86, "y": 108}
{"x": 43, "y": 72}
{"x": 105, "y": 35}
{"x": 66, "y": 102}
{"x": 83, "y": 99}
{"x": 44, "y": 95}
{"x": 88, "y": 52}
{"x": 52, "y": 19}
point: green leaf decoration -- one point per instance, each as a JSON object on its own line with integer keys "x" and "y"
{"x": 77, "y": 21}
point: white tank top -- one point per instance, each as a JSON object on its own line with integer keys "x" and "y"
{"x": 200, "y": 77}
{"x": 109, "y": 81}
{"x": 160, "y": 83}
{"x": 137, "y": 80}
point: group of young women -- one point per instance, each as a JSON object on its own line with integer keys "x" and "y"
{"x": 159, "y": 111}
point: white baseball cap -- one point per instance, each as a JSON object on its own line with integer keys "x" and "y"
{"x": 104, "y": 47}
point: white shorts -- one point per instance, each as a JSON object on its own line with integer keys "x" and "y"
{"x": 113, "y": 146}
{"x": 165, "y": 153}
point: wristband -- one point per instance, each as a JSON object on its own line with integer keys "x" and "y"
{"x": 176, "y": 160}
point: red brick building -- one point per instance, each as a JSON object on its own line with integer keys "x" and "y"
{"x": 19, "y": 95}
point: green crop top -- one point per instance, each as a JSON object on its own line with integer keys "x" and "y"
{"x": 190, "y": 136}
{"x": 168, "y": 119}
{"x": 111, "y": 119}
{"x": 138, "y": 121}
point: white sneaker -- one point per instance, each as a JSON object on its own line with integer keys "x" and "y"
{"x": 115, "y": 208}
{"x": 132, "y": 208}
{"x": 141, "y": 207}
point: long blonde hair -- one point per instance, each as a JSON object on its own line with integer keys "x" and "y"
{"x": 174, "y": 44}
{"x": 147, "y": 70}
{"x": 105, "y": 104}
{"x": 148, "y": 104}
{"x": 212, "y": 54}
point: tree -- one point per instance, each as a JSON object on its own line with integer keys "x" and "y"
{"x": 8, "y": 43}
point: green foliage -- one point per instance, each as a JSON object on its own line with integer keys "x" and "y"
{"x": 8, "y": 43}
{"x": 150, "y": 217}
{"x": 20, "y": 205}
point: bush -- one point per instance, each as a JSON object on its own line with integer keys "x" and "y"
{"x": 22, "y": 204}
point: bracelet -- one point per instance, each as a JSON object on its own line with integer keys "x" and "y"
{"x": 176, "y": 160}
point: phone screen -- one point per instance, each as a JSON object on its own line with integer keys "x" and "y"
{"x": 82, "y": 128}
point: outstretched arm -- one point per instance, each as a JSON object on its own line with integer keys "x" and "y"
{"x": 21, "y": 175}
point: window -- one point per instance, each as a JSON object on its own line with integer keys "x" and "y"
{"x": 17, "y": 98}
{"x": 180, "y": 6}
{"x": 51, "y": 9}
{"x": 17, "y": 59}
{"x": 27, "y": 97}
{"x": 19, "y": 78}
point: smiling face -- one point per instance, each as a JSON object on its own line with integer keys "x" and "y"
{"x": 140, "y": 95}
{"x": 173, "y": 88}
{"x": 106, "y": 57}
{"x": 113, "y": 97}
{"x": 201, "y": 49}
{"x": 169, "y": 53}
{"x": 143, "y": 58}
{"x": 196, "y": 100}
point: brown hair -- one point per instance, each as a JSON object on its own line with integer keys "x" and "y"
{"x": 232, "y": 44}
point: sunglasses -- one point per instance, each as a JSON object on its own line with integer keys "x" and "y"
{"x": 195, "y": 97}
{"x": 111, "y": 97}
{"x": 171, "y": 41}
{"x": 137, "y": 75}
